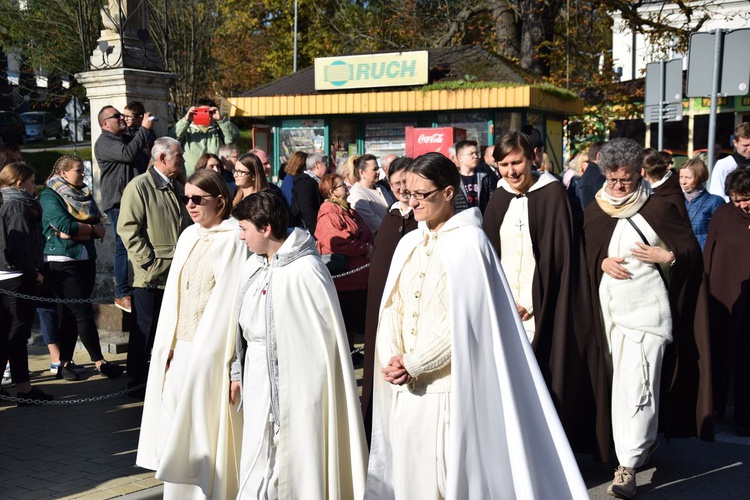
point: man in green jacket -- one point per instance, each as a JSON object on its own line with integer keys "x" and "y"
{"x": 197, "y": 139}
{"x": 152, "y": 217}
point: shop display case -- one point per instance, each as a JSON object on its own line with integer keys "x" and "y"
{"x": 382, "y": 138}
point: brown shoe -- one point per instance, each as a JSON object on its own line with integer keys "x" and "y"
{"x": 624, "y": 484}
{"x": 124, "y": 303}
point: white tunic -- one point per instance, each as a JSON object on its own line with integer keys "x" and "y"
{"x": 258, "y": 430}
{"x": 517, "y": 249}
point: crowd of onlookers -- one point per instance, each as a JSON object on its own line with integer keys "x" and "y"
{"x": 626, "y": 273}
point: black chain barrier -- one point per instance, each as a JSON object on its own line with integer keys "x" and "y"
{"x": 105, "y": 300}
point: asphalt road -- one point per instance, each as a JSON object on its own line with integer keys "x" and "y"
{"x": 685, "y": 469}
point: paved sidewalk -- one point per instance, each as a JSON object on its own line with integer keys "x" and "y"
{"x": 84, "y": 451}
{"x": 87, "y": 451}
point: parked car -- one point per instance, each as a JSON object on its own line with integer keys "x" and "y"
{"x": 41, "y": 125}
{"x": 12, "y": 128}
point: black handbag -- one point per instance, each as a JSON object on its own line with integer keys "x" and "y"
{"x": 336, "y": 263}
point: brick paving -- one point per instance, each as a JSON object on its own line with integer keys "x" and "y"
{"x": 77, "y": 451}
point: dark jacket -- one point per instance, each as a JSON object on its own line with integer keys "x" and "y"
{"x": 143, "y": 158}
{"x": 20, "y": 234}
{"x": 392, "y": 229}
{"x": 117, "y": 166}
{"x": 487, "y": 185}
{"x": 306, "y": 201}
{"x": 589, "y": 184}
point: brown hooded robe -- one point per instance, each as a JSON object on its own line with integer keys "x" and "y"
{"x": 685, "y": 408}
{"x": 562, "y": 304}
{"x": 728, "y": 271}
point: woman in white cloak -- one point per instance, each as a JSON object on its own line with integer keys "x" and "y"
{"x": 461, "y": 409}
{"x": 302, "y": 435}
{"x": 190, "y": 434}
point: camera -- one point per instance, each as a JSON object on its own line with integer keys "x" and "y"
{"x": 202, "y": 116}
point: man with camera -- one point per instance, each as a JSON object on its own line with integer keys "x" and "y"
{"x": 118, "y": 165}
{"x": 203, "y": 130}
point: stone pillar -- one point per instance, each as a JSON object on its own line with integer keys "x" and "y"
{"x": 125, "y": 67}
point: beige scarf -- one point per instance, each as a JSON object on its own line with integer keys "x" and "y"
{"x": 627, "y": 206}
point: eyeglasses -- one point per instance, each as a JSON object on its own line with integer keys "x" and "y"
{"x": 474, "y": 154}
{"x": 240, "y": 173}
{"x": 406, "y": 195}
{"x": 116, "y": 116}
{"x": 342, "y": 185}
{"x": 196, "y": 199}
{"x": 624, "y": 182}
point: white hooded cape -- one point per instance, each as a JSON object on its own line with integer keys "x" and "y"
{"x": 203, "y": 445}
{"x": 322, "y": 451}
{"x": 505, "y": 438}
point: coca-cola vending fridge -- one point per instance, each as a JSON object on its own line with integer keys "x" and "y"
{"x": 427, "y": 140}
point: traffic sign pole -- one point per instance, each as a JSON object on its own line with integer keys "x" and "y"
{"x": 714, "y": 99}
{"x": 662, "y": 85}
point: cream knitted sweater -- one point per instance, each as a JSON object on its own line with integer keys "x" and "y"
{"x": 195, "y": 284}
{"x": 415, "y": 322}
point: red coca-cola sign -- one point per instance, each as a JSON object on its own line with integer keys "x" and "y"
{"x": 430, "y": 139}
{"x": 427, "y": 140}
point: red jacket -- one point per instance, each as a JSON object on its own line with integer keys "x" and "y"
{"x": 344, "y": 232}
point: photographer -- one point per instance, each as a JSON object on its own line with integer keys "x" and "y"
{"x": 203, "y": 130}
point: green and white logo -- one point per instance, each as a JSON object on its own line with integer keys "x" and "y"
{"x": 376, "y": 70}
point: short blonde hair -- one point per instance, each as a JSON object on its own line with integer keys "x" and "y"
{"x": 699, "y": 170}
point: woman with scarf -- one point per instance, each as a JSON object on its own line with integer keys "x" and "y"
{"x": 341, "y": 230}
{"x": 20, "y": 260}
{"x": 650, "y": 310}
{"x": 700, "y": 204}
{"x": 70, "y": 223}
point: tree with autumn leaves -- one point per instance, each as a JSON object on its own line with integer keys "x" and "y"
{"x": 227, "y": 47}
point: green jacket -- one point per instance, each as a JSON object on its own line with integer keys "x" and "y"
{"x": 55, "y": 216}
{"x": 197, "y": 140}
{"x": 150, "y": 222}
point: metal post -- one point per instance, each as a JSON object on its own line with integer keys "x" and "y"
{"x": 295, "y": 36}
{"x": 714, "y": 98}
{"x": 662, "y": 85}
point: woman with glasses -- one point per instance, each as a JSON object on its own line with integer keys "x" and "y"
{"x": 663, "y": 180}
{"x": 728, "y": 269}
{"x": 650, "y": 310}
{"x": 250, "y": 178}
{"x": 190, "y": 433}
{"x": 530, "y": 223}
{"x": 460, "y": 408}
{"x": 342, "y": 231}
{"x": 71, "y": 223}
